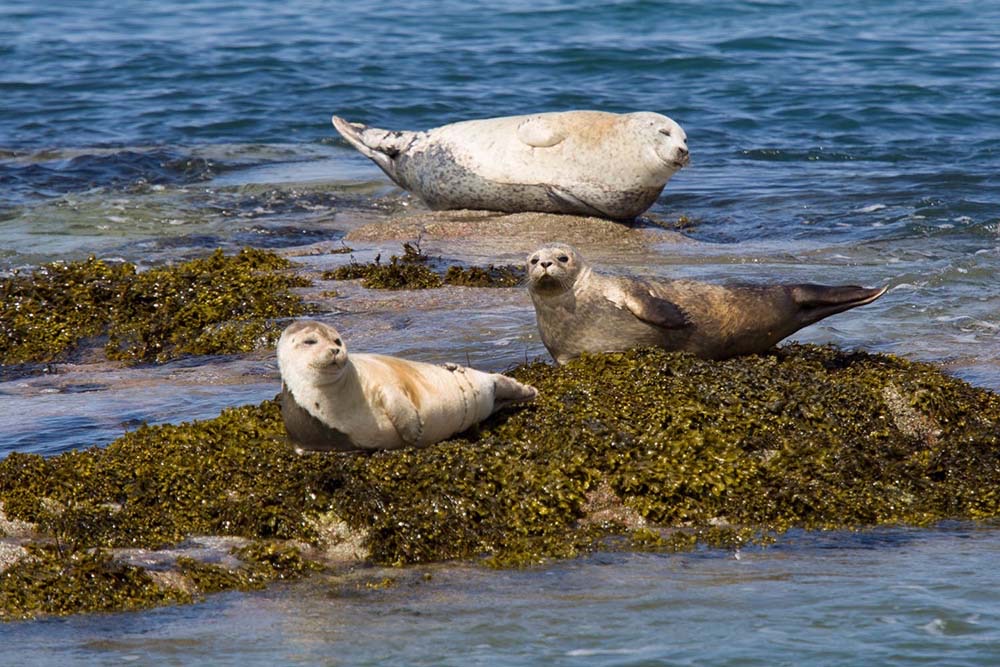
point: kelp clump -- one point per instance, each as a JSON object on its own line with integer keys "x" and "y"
{"x": 638, "y": 450}
{"x": 489, "y": 276}
{"x": 48, "y": 311}
{"x": 214, "y": 305}
{"x": 410, "y": 271}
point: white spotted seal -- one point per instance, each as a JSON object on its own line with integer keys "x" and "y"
{"x": 580, "y": 310}
{"x": 577, "y": 162}
{"x": 332, "y": 401}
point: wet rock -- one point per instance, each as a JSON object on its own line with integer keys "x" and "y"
{"x": 500, "y": 234}
{"x": 638, "y": 450}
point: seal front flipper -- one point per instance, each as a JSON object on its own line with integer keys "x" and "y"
{"x": 570, "y": 203}
{"x": 816, "y": 302}
{"x": 380, "y": 146}
{"x": 539, "y": 132}
{"x": 652, "y": 309}
{"x": 403, "y": 414}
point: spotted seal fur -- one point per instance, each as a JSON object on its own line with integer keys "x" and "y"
{"x": 589, "y": 163}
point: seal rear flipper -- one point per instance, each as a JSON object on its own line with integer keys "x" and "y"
{"x": 818, "y": 301}
{"x": 507, "y": 391}
{"x": 380, "y": 146}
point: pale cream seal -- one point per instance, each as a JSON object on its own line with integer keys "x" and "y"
{"x": 335, "y": 401}
{"x": 581, "y": 310}
{"x": 579, "y": 162}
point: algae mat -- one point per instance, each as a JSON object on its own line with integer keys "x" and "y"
{"x": 641, "y": 450}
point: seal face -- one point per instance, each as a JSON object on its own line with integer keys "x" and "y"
{"x": 580, "y": 310}
{"x": 577, "y": 162}
{"x": 335, "y": 401}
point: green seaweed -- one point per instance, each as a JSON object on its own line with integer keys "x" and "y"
{"x": 490, "y": 276}
{"x": 213, "y": 305}
{"x": 56, "y": 582}
{"x": 641, "y": 450}
{"x": 410, "y": 272}
{"x": 263, "y": 563}
{"x": 46, "y": 312}
{"x": 406, "y": 272}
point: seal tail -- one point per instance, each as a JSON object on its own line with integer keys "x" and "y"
{"x": 818, "y": 301}
{"x": 507, "y": 391}
{"x": 380, "y": 146}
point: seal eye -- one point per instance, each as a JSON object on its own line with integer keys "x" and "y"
{"x": 534, "y": 260}
{"x": 666, "y": 132}
{"x": 563, "y": 258}
{"x": 310, "y": 341}
{"x": 337, "y": 342}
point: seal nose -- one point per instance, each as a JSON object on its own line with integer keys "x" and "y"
{"x": 546, "y": 264}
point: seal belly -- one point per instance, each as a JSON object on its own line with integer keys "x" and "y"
{"x": 442, "y": 180}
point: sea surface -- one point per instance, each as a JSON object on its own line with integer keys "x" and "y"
{"x": 848, "y": 142}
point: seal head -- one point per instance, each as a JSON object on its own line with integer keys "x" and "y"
{"x": 310, "y": 354}
{"x": 553, "y": 270}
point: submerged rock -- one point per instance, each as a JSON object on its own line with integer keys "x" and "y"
{"x": 637, "y": 450}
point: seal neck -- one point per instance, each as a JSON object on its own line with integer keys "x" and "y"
{"x": 582, "y": 279}
{"x": 330, "y": 379}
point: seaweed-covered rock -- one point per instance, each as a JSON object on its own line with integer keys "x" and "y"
{"x": 214, "y": 305}
{"x": 639, "y": 450}
{"x": 489, "y": 276}
{"x": 410, "y": 271}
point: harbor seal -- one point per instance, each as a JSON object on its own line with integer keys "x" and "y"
{"x": 578, "y": 162}
{"x": 332, "y": 401}
{"x": 580, "y": 310}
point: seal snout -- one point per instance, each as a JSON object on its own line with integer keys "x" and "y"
{"x": 683, "y": 156}
{"x": 331, "y": 354}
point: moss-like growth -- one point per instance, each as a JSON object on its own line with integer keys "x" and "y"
{"x": 233, "y": 475}
{"x": 47, "y": 312}
{"x": 264, "y": 563}
{"x": 491, "y": 276}
{"x": 214, "y": 305}
{"x": 410, "y": 271}
{"x": 406, "y": 272}
{"x": 396, "y": 275}
{"x": 54, "y": 582}
{"x": 639, "y": 450}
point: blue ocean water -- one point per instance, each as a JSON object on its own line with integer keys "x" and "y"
{"x": 847, "y": 142}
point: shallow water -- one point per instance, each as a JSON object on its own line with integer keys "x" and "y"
{"x": 887, "y": 597}
{"x": 852, "y": 143}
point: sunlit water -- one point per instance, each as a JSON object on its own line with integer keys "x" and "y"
{"x": 847, "y": 143}
{"x": 887, "y": 597}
